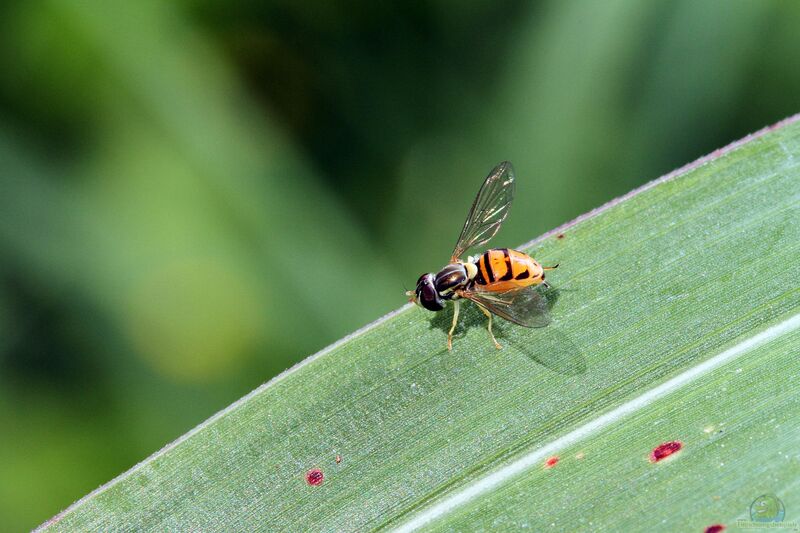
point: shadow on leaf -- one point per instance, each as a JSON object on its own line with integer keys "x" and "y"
{"x": 546, "y": 346}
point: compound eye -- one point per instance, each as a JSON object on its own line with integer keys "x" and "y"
{"x": 424, "y": 280}
{"x": 427, "y": 295}
{"x": 432, "y": 303}
{"x": 428, "y": 292}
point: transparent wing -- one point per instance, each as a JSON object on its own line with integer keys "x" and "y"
{"x": 526, "y": 307}
{"x": 489, "y": 209}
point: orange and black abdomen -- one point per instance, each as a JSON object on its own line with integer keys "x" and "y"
{"x": 501, "y": 269}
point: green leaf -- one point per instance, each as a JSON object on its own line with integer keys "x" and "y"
{"x": 675, "y": 319}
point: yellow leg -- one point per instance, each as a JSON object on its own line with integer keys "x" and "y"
{"x": 487, "y": 313}
{"x": 453, "y": 327}
{"x": 550, "y": 268}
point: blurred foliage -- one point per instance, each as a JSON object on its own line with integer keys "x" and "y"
{"x": 196, "y": 195}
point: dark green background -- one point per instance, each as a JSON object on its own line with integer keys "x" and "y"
{"x": 195, "y": 197}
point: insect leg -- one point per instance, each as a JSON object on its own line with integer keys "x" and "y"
{"x": 487, "y": 313}
{"x": 456, "y": 303}
{"x": 547, "y": 285}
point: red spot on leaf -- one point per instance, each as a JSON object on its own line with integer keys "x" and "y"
{"x": 315, "y": 476}
{"x": 662, "y": 451}
{"x": 551, "y": 462}
{"x": 560, "y": 236}
{"x": 716, "y": 528}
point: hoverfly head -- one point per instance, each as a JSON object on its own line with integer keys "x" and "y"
{"x": 425, "y": 294}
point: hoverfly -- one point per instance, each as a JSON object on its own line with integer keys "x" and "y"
{"x": 500, "y": 281}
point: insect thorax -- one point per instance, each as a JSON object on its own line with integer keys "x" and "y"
{"x": 452, "y": 277}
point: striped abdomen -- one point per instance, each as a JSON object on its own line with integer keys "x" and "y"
{"x": 502, "y": 269}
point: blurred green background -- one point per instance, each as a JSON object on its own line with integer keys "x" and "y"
{"x": 196, "y": 195}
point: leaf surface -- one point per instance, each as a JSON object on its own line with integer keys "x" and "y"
{"x": 698, "y": 265}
